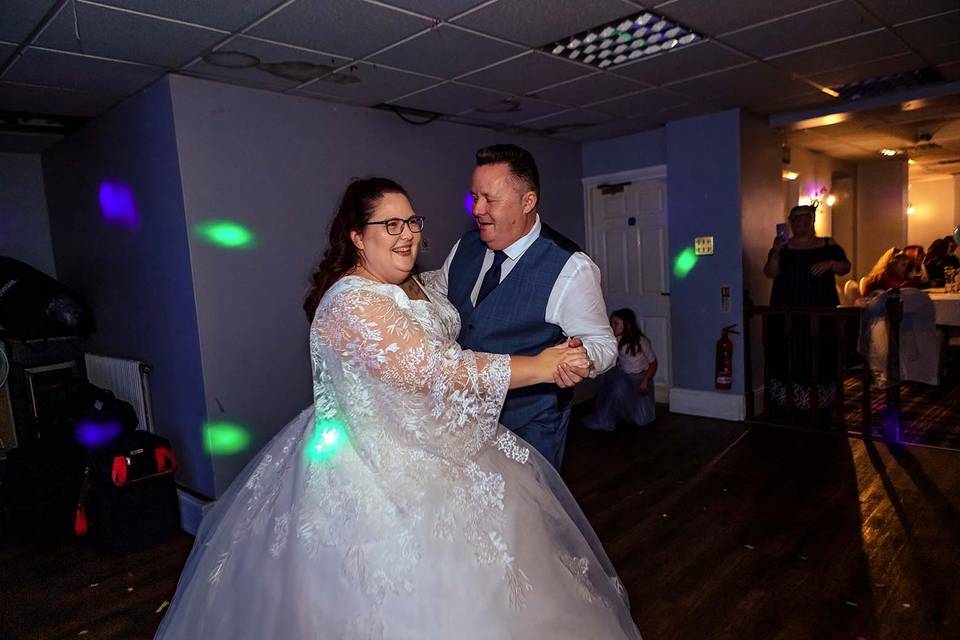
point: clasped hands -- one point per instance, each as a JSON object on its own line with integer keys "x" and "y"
{"x": 572, "y": 363}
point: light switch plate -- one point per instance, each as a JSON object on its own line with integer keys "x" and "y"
{"x": 703, "y": 246}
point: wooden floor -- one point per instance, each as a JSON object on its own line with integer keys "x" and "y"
{"x": 718, "y": 531}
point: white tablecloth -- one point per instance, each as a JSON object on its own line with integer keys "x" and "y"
{"x": 947, "y": 306}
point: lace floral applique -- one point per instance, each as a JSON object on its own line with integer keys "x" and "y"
{"x": 507, "y": 442}
{"x": 579, "y": 568}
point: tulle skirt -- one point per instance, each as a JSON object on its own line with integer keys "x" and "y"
{"x": 268, "y": 564}
{"x": 619, "y": 400}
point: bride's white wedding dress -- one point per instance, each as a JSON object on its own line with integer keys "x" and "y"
{"x": 397, "y": 506}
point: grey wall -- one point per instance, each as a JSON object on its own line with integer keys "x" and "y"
{"x": 703, "y": 198}
{"x": 278, "y": 164}
{"x": 24, "y": 224}
{"x": 136, "y": 274}
{"x": 644, "y": 149}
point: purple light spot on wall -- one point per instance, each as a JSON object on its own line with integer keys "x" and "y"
{"x": 468, "y": 203}
{"x": 116, "y": 204}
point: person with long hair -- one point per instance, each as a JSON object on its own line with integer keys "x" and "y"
{"x": 626, "y": 392}
{"x": 397, "y": 506}
{"x": 891, "y": 271}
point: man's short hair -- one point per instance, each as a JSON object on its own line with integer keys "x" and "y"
{"x": 521, "y": 163}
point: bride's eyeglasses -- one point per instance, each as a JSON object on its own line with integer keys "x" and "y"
{"x": 394, "y": 226}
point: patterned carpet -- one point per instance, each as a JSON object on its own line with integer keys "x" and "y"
{"x": 929, "y": 415}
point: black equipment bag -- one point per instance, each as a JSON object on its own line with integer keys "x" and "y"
{"x": 129, "y": 499}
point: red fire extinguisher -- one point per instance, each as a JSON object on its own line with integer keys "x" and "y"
{"x": 724, "y": 368}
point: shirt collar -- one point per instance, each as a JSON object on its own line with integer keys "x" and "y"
{"x": 520, "y": 247}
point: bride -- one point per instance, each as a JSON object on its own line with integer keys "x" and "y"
{"x": 396, "y": 507}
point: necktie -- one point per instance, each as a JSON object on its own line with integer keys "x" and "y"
{"x": 492, "y": 277}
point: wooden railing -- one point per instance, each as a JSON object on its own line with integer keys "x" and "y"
{"x": 835, "y": 320}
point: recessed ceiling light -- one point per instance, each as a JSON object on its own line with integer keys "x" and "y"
{"x": 790, "y": 175}
{"x": 622, "y": 40}
{"x": 888, "y": 152}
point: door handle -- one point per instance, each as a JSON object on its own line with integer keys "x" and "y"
{"x": 665, "y": 293}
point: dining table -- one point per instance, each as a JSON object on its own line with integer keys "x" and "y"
{"x": 946, "y": 306}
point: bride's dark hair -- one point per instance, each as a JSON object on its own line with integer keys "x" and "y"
{"x": 356, "y": 206}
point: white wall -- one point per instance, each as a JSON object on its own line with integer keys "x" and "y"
{"x": 278, "y": 164}
{"x": 934, "y": 208}
{"x": 761, "y": 186}
{"x": 881, "y": 209}
{"x": 24, "y": 223}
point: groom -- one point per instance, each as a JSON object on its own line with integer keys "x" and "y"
{"x": 521, "y": 287}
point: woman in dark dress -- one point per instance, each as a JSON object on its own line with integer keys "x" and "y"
{"x": 803, "y": 269}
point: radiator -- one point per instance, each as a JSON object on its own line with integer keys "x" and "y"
{"x": 127, "y": 379}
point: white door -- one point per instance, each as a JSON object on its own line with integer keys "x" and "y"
{"x": 628, "y": 241}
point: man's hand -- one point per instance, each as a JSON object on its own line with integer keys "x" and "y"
{"x": 567, "y": 376}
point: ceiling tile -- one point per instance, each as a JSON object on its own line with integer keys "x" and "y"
{"x": 527, "y": 109}
{"x": 806, "y": 29}
{"x": 78, "y": 73}
{"x": 38, "y": 99}
{"x": 446, "y": 52}
{"x": 6, "y": 50}
{"x": 713, "y": 18}
{"x": 880, "y": 44}
{"x": 599, "y": 86}
{"x": 644, "y": 104}
{"x": 27, "y": 143}
{"x": 929, "y": 33}
{"x": 779, "y": 104}
{"x": 872, "y": 69}
{"x": 950, "y": 71}
{"x": 377, "y": 85}
{"x": 612, "y": 129}
{"x": 126, "y": 36}
{"x": 527, "y": 73}
{"x": 269, "y": 54}
{"x": 897, "y": 11}
{"x": 18, "y": 18}
{"x": 436, "y": 8}
{"x": 570, "y": 119}
{"x": 742, "y": 86}
{"x": 539, "y": 22}
{"x": 451, "y": 99}
{"x": 220, "y": 14}
{"x": 944, "y": 53}
{"x": 361, "y": 28}
{"x": 683, "y": 62}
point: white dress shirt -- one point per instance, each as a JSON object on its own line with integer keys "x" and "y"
{"x": 576, "y": 301}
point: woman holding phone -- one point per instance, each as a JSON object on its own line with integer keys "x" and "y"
{"x": 803, "y": 268}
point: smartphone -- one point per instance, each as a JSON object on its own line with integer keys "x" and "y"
{"x": 782, "y": 231}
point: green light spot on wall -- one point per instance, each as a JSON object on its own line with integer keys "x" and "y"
{"x": 226, "y": 234}
{"x": 684, "y": 263}
{"x": 225, "y": 438}
{"x": 327, "y": 439}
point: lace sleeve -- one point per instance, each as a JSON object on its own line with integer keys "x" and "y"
{"x": 462, "y": 391}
